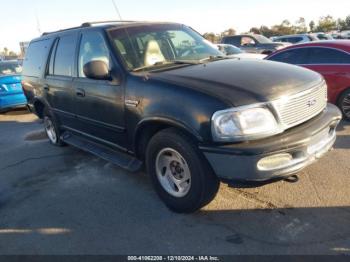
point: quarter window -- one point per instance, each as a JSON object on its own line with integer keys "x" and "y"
{"x": 36, "y": 56}
{"x": 92, "y": 48}
{"x": 327, "y": 56}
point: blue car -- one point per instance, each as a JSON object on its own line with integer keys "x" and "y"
{"x": 11, "y": 93}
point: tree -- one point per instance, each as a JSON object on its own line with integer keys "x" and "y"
{"x": 264, "y": 30}
{"x": 230, "y": 32}
{"x": 326, "y": 24}
{"x": 6, "y": 51}
{"x": 255, "y": 30}
{"x": 312, "y": 26}
{"x": 210, "y": 37}
{"x": 347, "y": 23}
{"x": 300, "y": 27}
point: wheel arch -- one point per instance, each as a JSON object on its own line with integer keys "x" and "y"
{"x": 147, "y": 128}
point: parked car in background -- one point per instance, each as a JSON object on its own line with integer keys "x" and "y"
{"x": 253, "y": 43}
{"x": 345, "y": 34}
{"x": 175, "y": 104}
{"x": 296, "y": 39}
{"x": 323, "y": 36}
{"x": 329, "y": 58}
{"x": 11, "y": 93}
{"x": 233, "y": 51}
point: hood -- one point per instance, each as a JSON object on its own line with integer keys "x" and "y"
{"x": 249, "y": 55}
{"x": 242, "y": 81}
{"x": 10, "y": 79}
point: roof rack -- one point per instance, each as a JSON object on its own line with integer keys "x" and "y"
{"x": 89, "y": 24}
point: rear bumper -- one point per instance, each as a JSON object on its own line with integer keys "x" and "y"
{"x": 304, "y": 144}
{"x": 12, "y": 100}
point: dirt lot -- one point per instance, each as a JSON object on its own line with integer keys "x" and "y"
{"x": 64, "y": 201}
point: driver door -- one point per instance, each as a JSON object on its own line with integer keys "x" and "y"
{"x": 99, "y": 103}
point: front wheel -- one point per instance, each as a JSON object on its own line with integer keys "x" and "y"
{"x": 344, "y": 104}
{"x": 181, "y": 175}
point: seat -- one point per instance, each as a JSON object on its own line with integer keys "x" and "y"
{"x": 153, "y": 54}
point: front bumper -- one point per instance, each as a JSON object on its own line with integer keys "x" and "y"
{"x": 305, "y": 144}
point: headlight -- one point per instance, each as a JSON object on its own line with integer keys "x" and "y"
{"x": 245, "y": 123}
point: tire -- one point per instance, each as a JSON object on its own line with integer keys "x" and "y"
{"x": 52, "y": 129}
{"x": 343, "y": 103}
{"x": 171, "y": 153}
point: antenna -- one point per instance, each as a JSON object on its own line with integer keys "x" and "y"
{"x": 37, "y": 23}
{"x": 117, "y": 10}
{"x": 38, "y": 27}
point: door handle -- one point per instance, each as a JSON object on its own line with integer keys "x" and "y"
{"x": 46, "y": 88}
{"x": 80, "y": 92}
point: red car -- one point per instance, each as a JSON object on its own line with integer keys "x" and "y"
{"x": 329, "y": 58}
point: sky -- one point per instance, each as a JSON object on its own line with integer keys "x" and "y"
{"x": 18, "y": 20}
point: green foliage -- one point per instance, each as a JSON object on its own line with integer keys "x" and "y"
{"x": 325, "y": 24}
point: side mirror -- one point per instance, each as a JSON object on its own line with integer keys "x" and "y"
{"x": 97, "y": 70}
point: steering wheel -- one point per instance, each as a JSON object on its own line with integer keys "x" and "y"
{"x": 187, "y": 52}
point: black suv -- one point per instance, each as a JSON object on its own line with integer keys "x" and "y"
{"x": 159, "y": 94}
{"x": 254, "y": 43}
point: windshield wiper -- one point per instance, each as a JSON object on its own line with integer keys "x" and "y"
{"x": 214, "y": 58}
{"x": 165, "y": 63}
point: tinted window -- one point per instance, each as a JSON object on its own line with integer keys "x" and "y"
{"x": 294, "y": 40}
{"x": 232, "y": 40}
{"x": 64, "y": 58}
{"x": 296, "y": 56}
{"x": 92, "y": 48}
{"x": 36, "y": 58}
{"x": 327, "y": 56}
{"x": 10, "y": 68}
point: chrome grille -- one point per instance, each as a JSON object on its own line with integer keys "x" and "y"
{"x": 301, "y": 107}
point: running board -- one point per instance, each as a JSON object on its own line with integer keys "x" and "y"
{"x": 118, "y": 158}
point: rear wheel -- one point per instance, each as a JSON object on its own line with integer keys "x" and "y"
{"x": 52, "y": 129}
{"x": 344, "y": 104}
{"x": 181, "y": 175}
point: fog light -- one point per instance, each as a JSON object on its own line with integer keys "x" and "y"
{"x": 275, "y": 162}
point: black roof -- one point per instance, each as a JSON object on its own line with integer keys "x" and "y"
{"x": 104, "y": 24}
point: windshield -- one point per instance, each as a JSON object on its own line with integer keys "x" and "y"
{"x": 151, "y": 45}
{"x": 262, "y": 39}
{"x": 12, "y": 68}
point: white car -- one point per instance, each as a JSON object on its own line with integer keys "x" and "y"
{"x": 233, "y": 51}
{"x": 296, "y": 39}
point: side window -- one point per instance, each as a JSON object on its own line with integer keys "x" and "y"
{"x": 296, "y": 56}
{"x": 328, "y": 56}
{"x": 36, "y": 58}
{"x": 92, "y": 47}
{"x": 64, "y": 58}
{"x": 247, "y": 41}
{"x": 236, "y": 41}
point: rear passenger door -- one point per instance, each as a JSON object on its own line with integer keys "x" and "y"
{"x": 99, "y": 103}
{"x": 59, "y": 79}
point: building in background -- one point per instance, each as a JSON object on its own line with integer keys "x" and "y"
{"x": 24, "y": 47}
